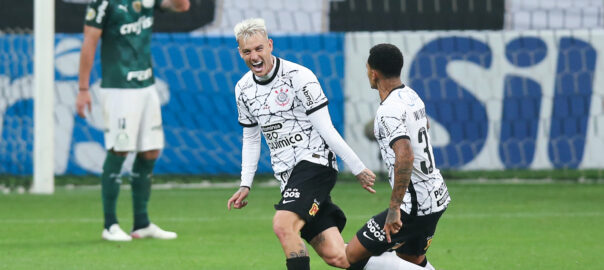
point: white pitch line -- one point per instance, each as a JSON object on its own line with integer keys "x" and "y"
{"x": 252, "y": 217}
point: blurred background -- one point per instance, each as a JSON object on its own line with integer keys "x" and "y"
{"x": 512, "y": 87}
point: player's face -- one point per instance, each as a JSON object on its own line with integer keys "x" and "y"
{"x": 257, "y": 51}
{"x": 371, "y": 76}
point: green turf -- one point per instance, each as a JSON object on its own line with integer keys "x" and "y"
{"x": 488, "y": 226}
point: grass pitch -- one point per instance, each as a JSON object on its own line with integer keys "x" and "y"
{"x": 488, "y": 226}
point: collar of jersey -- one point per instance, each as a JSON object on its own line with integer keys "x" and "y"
{"x": 398, "y": 87}
{"x": 272, "y": 77}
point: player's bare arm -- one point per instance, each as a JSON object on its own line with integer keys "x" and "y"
{"x": 238, "y": 201}
{"x": 402, "y": 176}
{"x": 175, "y": 5}
{"x": 91, "y": 39}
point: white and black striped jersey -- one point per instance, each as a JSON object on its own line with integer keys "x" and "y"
{"x": 281, "y": 105}
{"x": 402, "y": 115}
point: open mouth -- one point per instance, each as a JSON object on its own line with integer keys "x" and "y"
{"x": 257, "y": 66}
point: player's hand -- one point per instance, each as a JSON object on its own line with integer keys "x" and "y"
{"x": 393, "y": 223}
{"x": 83, "y": 101}
{"x": 366, "y": 178}
{"x": 238, "y": 199}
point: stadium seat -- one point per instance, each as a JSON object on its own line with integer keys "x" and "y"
{"x": 209, "y": 59}
{"x": 325, "y": 65}
{"x": 193, "y": 57}
{"x": 222, "y": 82}
{"x": 227, "y": 61}
{"x": 159, "y": 59}
{"x": 578, "y": 106}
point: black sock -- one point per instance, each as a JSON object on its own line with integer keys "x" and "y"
{"x": 424, "y": 262}
{"x": 299, "y": 263}
{"x": 359, "y": 265}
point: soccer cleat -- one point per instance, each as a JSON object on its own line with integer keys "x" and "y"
{"x": 115, "y": 233}
{"x": 153, "y": 231}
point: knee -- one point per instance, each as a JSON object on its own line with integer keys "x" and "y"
{"x": 338, "y": 260}
{"x": 281, "y": 230}
{"x": 150, "y": 155}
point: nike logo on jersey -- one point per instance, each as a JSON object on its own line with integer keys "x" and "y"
{"x": 287, "y": 201}
{"x": 367, "y": 236}
{"x": 123, "y": 7}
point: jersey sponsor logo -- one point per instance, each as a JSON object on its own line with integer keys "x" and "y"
{"x": 375, "y": 229}
{"x": 122, "y": 7}
{"x": 384, "y": 126}
{"x": 309, "y": 99}
{"x": 291, "y": 193}
{"x": 441, "y": 194}
{"x": 139, "y": 75}
{"x": 274, "y": 142}
{"x": 101, "y": 13}
{"x": 367, "y": 236}
{"x": 442, "y": 200}
{"x": 419, "y": 114}
{"x": 277, "y": 141}
{"x": 137, "y": 27}
{"x": 272, "y": 127}
{"x": 282, "y": 98}
{"x": 90, "y": 14}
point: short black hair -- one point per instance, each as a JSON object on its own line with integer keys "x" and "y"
{"x": 387, "y": 59}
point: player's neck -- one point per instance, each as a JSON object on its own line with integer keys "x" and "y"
{"x": 385, "y": 86}
{"x": 270, "y": 73}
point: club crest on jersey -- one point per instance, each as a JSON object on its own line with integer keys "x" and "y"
{"x": 137, "y": 6}
{"x": 90, "y": 14}
{"x": 313, "y": 209}
{"x": 282, "y": 98}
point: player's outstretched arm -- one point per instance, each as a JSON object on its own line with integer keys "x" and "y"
{"x": 175, "y": 5}
{"x": 321, "y": 121}
{"x": 91, "y": 39}
{"x": 238, "y": 201}
{"x": 403, "y": 166}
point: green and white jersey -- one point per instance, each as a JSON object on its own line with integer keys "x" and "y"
{"x": 125, "y": 42}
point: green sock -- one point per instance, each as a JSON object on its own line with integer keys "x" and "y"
{"x": 141, "y": 190}
{"x": 110, "y": 186}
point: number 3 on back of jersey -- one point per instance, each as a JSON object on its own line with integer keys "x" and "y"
{"x": 423, "y": 136}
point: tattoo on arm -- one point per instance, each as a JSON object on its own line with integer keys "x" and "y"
{"x": 402, "y": 172}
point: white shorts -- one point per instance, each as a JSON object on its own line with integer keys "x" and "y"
{"x": 132, "y": 119}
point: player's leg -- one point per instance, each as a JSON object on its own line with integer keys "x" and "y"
{"x": 141, "y": 186}
{"x": 324, "y": 234}
{"x": 368, "y": 249}
{"x": 331, "y": 247}
{"x": 287, "y": 226}
{"x": 150, "y": 140}
{"x": 119, "y": 127}
{"x": 423, "y": 228}
{"x": 110, "y": 190}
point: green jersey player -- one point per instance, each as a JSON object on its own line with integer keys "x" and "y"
{"x": 129, "y": 101}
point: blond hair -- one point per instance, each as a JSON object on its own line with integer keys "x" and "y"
{"x": 250, "y": 27}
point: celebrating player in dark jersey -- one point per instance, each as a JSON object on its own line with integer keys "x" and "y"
{"x": 130, "y": 104}
{"x": 285, "y": 102}
{"x": 419, "y": 194}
